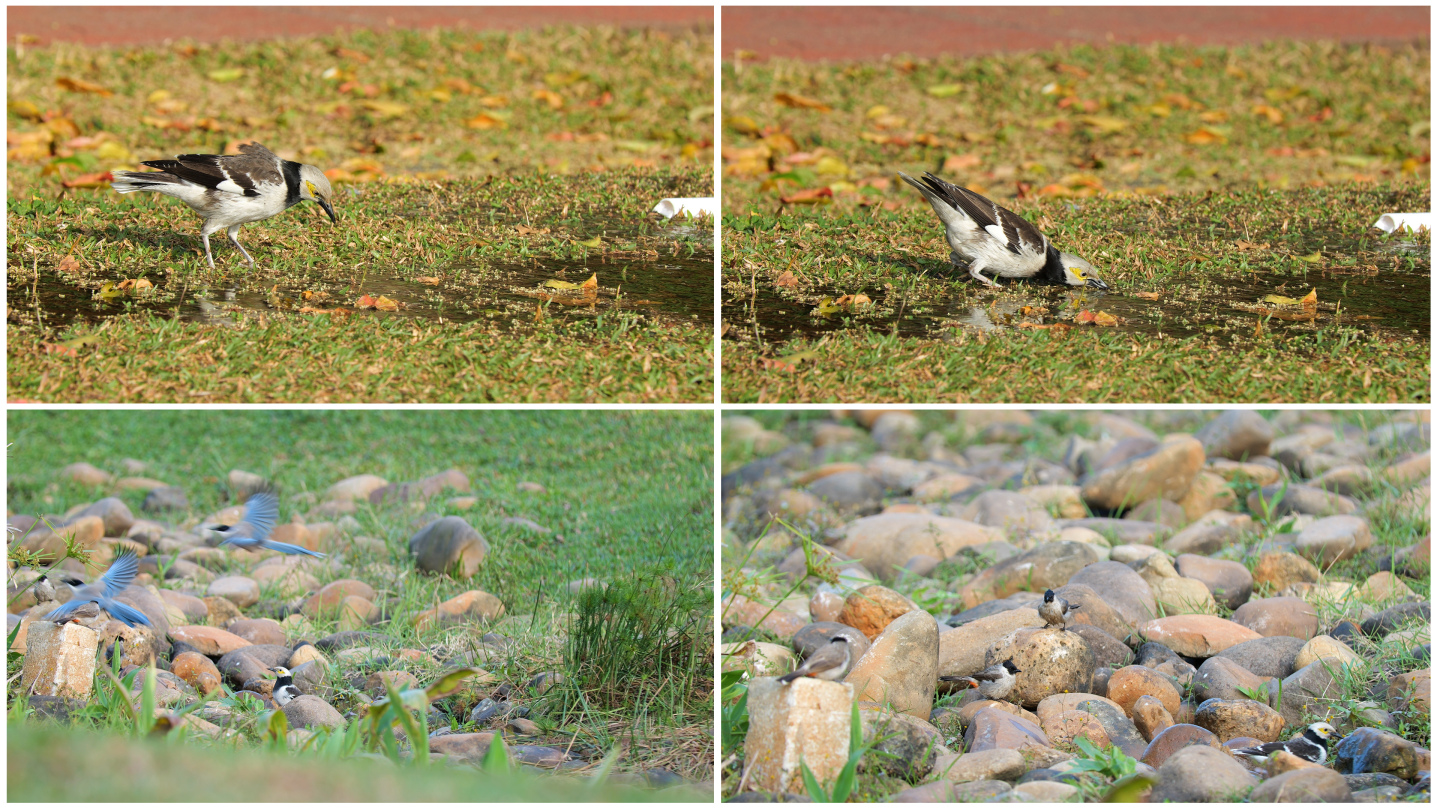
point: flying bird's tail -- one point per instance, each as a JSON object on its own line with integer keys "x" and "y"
{"x": 287, "y": 548}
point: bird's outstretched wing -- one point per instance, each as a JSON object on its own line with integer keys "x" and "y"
{"x": 262, "y": 511}
{"x": 122, "y": 572}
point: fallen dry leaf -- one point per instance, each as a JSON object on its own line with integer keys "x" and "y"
{"x": 80, "y": 86}
{"x": 793, "y": 100}
{"x": 1148, "y": 296}
{"x": 787, "y": 280}
{"x": 809, "y": 196}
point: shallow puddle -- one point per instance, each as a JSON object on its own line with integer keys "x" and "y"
{"x": 1389, "y": 302}
{"x": 669, "y": 289}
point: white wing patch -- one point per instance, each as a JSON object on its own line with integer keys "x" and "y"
{"x": 230, "y": 186}
{"x": 997, "y": 232}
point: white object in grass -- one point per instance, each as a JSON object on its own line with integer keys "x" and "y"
{"x": 1390, "y": 223}
{"x": 692, "y": 206}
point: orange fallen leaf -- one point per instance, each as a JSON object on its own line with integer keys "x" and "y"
{"x": 80, "y": 86}
{"x": 793, "y": 100}
{"x": 526, "y": 230}
{"x": 809, "y": 195}
{"x": 432, "y": 280}
{"x": 787, "y": 280}
{"x": 483, "y": 121}
{"x": 136, "y": 284}
{"x": 385, "y": 304}
{"x": 1148, "y": 296}
{"x": 852, "y": 301}
{"x": 92, "y": 180}
{"x": 56, "y": 348}
{"x": 365, "y": 302}
{"x": 69, "y": 264}
{"x": 550, "y": 97}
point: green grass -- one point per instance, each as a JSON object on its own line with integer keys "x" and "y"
{"x": 41, "y": 762}
{"x": 460, "y": 225}
{"x": 628, "y": 494}
{"x": 1190, "y": 235}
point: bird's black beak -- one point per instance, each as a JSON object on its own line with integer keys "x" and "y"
{"x": 1097, "y": 284}
{"x": 325, "y": 204}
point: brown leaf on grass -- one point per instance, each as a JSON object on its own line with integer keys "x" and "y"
{"x": 852, "y": 301}
{"x": 1205, "y": 136}
{"x": 80, "y": 86}
{"x": 24, "y": 108}
{"x": 789, "y": 363}
{"x": 1243, "y": 245}
{"x": 526, "y": 230}
{"x": 955, "y": 163}
{"x": 1148, "y": 296}
{"x": 365, "y": 302}
{"x": 92, "y": 180}
{"x": 550, "y": 97}
{"x": 385, "y": 304}
{"x": 58, "y": 348}
{"x": 787, "y": 280}
{"x": 1029, "y": 325}
{"x": 809, "y": 196}
{"x": 431, "y": 280}
{"x": 602, "y": 100}
{"x": 353, "y": 56}
{"x": 484, "y": 121}
{"x": 1269, "y": 113}
{"x": 67, "y": 265}
{"x": 882, "y": 138}
{"x": 135, "y": 284}
{"x": 793, "y": 100}
{"x": 1214, "y": 117}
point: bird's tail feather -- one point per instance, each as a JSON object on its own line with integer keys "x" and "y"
{"x": 126, "y": 614}
{"x": 126, "y": 182}
{"x": 290, "y": 549}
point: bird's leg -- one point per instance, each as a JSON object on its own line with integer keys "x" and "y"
{"x": 234, "y": 234}
{"x": 975, "y": 268}
{"x": 205, "y": 237}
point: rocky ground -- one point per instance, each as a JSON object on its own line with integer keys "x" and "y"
{"x": 372, "y": 613}
{"x": 1235, "y": 577}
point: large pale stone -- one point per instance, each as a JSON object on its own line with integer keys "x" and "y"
{"x": 962, "y": 650}
{"x": 884, "y": 542}
{"x": 1167, "y": 472}
{"x": 59, "y": 660}
{"x": 1334, "y": 538}
{"x": 1209, "y": 492}
{"x": 1196, "y": 636}
{"x": 805, "y": 720}
{"x": 356, "y": 487}
{"x": 872, "y": 608}
{"x": 902, "y": 665}
{"x": 742, "y": 610}
{"x": 211, "y": 641}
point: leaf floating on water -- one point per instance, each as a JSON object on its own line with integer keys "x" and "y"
{"x": 591, "y": 243}
{"x": 826, "y": 307}
{"x": 1310, "y": 300}
{"x": 385, "y": 304}
{"x": 136, "y": 284}
{"x": 560, "y": 284}
{"x": 1313, "y": 258}
{"x": 787, "y": 280}
{"x": 1148, "y": 296}
{"x": 431, "y": 280}
{"x": 108, "y": 290}
{"x": 591, "y": 284}
{"x": 1100, "y": 318}
{"x": 852, "y": 301}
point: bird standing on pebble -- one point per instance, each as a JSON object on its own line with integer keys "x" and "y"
{"x": 1054, "y": 609}
{"x": 231, "y": 190}
{"x": 995, "y": 683}
{"x": 262, "y": 510}
{"x": 829, "y": 663}
{"x": 1313, "y": 745}
{"x": 285, "y": 689}
{"x": 122, "y": 572}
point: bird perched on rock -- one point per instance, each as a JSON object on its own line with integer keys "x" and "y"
{"x": 262, "y": 510}
{"x": 285, "y": 689}
{"x": 231, "y": 190}
{"x": 995, "y": 682}
{"x": 122, "y": 572}
{"x": 829, "y": 663}
{"x": 1054, "y": 609}
{"x": 1312, "y": 745}
{"x": 992, "y": 238}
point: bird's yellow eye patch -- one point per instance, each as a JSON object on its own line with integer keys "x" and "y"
{"x": 311, "y": 186}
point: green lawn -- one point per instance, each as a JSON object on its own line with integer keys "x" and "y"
{"x": 471, "y": 171}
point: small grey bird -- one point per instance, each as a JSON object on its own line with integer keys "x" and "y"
{"x": 994, "y": 683}
{"x": 285, "y": 689}
{"x": 829, "y": 663}
{"x": 262, "y": 511}
{"x": 1054, "y": 610}
{"x": 1313, "y": 745}
{"x": 999, "y": 240}
{"x": 231, "y": 190}
{"x": 122, "y": 572}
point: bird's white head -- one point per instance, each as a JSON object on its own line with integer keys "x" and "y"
{"x": 1323, "y": 730}
{"x": 1080, "y": 273}
{"x": 315, "y": 186}
{"x": 281, "y": 671}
